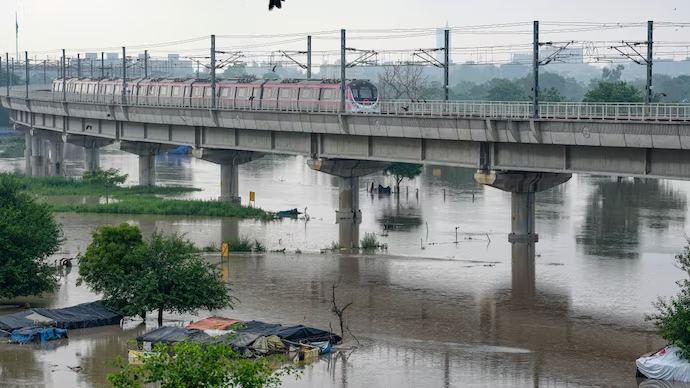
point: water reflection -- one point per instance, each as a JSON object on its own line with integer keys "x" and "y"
{"x": 617, "y": 212}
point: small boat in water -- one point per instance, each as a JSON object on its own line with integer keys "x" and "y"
{"x": 289, "y": 213}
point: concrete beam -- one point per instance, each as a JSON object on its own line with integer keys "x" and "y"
{"x": 346, "y": 168}
{"x": 226, "y": 157}
{"x": 521, "y": 182}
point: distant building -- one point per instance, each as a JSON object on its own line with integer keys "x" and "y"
{"x": 91, "y": 56}
{"x": 441, "y": 42}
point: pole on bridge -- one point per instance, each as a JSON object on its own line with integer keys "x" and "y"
{"x": 446, "y": 63}
{"x": 146, "y": 63}
{"x": 102, "y": 64}
{"x": 11, "y": 83}
{"x": 536, "y": 68}
{"x": 9, "y": 76}
{"x": 309, "y": 57}
{"x": 28, "y": 74}
{"x": 650, "y": 61}
{"x": 64, "y": 77}
{"x": 124, "y": 74}
{"x": 343, "y": 66}
{"x": 45, "y": 75}
{"x": 78, "y": 65}
{"x": 91, "y": 68}
{"x": 0, "y": 66}
{"x": 213, "y": 71}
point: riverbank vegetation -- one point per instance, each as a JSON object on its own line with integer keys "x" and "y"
{"x": 133, "y": 199}
{"x": 193, "y": 365}
{"x": 11, "y": 146}
{"x": 672, "y": 318}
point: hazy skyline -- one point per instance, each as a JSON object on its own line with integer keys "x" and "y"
{"x": 45, "y": 26}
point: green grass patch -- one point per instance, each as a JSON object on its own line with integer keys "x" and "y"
{"x": 159, "y": 206}
{"x": 59, "y": 186}
{"x": 11, "y": 146}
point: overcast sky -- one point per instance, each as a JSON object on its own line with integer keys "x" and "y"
{"x": 95, "y": 25}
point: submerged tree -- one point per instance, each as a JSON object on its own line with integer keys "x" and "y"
{"x": 673, "y": 315}
{"x": 193, "y": 365}
{"x": 28, "y": 235}
{"x": 400, "y": 171}
{"x": 107, "y": 178}
{"x": 164, "y": 273}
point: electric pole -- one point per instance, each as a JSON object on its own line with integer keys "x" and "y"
{"x": 213, "y": 71}
{"x": 146, "y": 63}
{"x": 650, "y": 61}
{"x": 28, "y": 74}
{"x": 536, "y": 68}
{"x": 64, "y": 78}
{"x": 446, "y": 66}
{"x": 343, "y": 66}
{"x": 309, "y": 57}
{"x": 124, "y": 75}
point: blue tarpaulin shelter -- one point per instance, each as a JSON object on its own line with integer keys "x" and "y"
{"x": 38, "y": 334}
{"x": 81, "y": 316}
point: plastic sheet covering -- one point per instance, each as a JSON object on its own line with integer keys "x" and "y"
{"x": 324, "y": 346}
{"x": 266, "y": 344}
{"x": 665, "y": 365}
{"x": 663, "y": 384}
{"x": 297, "y": 333}
{"x": 213, "y": 323}
{"x": 38, "y": 334}
{"x": 173, "y": 334}
{"x": 81, "y": 316}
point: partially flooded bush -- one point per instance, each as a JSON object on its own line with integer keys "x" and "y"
{"x": 370, "y": 242}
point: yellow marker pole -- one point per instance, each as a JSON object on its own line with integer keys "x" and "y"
{"x": 224, "y": 250}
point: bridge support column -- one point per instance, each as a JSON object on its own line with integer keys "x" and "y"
{"x": 348, "y": 216}
{"x": 147, "y": 158}
{"x": 92, "y": 156}
{"x": 229, "y": 161}
{"x": 57, "y": 148}
{"x": 38, "y": 156}
{"x": 27, "y": 153}
{"x": 523, "y": 237}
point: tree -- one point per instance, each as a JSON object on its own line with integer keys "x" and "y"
{"x": 192, "y": 365}
{"x": 28, "y": 235}
{"x": 107, "y": 178}
{"x": 164, "y": 273}
{"x": 400, "y": 171}
{"x": 270, "y": 75}
{"x": 4, "y": 77}
{"x": 613, "y": 74}
{"x": 505, "y": 90}
{"x": 618, "y": 91}
{"x": 673, "y": 315}
{"x": 551, "y": 95}
{"x": 236, "y": 71}
{"x": 404, "y": 82}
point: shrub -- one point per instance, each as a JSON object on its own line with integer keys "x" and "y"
{"x": 370, "y": 242}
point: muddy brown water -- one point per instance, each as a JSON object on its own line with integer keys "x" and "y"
{"x": 428, "y": 312}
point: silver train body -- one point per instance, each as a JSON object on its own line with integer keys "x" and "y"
{"x": 311, "y": 95}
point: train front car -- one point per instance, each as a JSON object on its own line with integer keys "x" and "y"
{"x": 363, "y": 97}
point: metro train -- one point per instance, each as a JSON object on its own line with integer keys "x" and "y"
{"x": 311, "y": 95}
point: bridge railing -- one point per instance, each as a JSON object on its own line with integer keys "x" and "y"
{"x": 481, "y": 109}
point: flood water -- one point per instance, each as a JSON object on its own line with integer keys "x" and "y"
{"x": 429, "y": 312}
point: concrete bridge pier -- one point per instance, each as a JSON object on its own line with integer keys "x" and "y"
{"x": 27, "y": 151}
{"x": 147, "y": 158}
{"x": 523, "y": 237}
{"x": 348, "y": 216}
{"x": 92, "y": 146}
{"x": 229, "y": 161}
{"x": 57, "y": 151}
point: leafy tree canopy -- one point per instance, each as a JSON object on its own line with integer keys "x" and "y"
{"x": 106, "y": 178}
{"x": 164, "y": 273}
{"x": 401, "y": 171}
{"x": 618, "y": 91}
{"x": 192, "y": 365}
{"x": 28, "y": 235}
{"x": 505, "y": 90}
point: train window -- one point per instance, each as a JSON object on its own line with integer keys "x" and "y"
{"x": 284, "y": 93}
{"x": 224, "y": 92}
{"x": 306, "y": 94}
{"x": 164, "y": 91}
{"x": 176, "y": 91}
{"x": 242, "y": 92}
{"x": 293, "y": 93}
{"x": 209, "y": 92}
{"x": 198, "y": 91}
{"x": 327, "y": 94}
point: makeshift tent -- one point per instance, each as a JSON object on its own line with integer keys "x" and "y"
{"x": 172, "y": 335}
{"x": 38, "y": 334}
{"x": 213, "y": 323}
{"x": 297, "y": 333}
{"x": 267, "y": 344}
{"x": 81, "y": 316}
